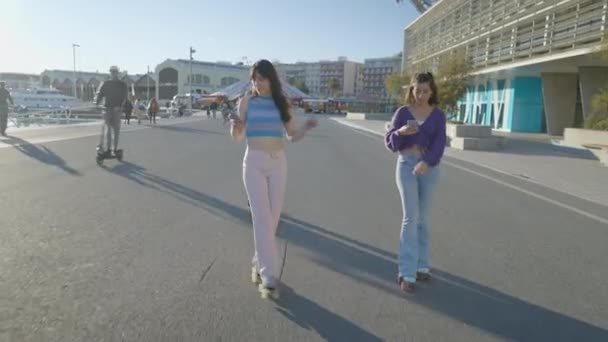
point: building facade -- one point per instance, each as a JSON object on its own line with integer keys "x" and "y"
{"x": 423, "y": 5}
{"x": 313, "y": 78}
{"x": 144, "y": 86}
{"x": 347, "y": 74}
{"x": 317, "y": 76}
{"x": 87, "y": 83}
{"x": 375, "y": 71}
{"x": 20, "y": 81}
{"x": 309, "y": 73}
{"x": 535, "y": 62}
{"x": 173, "y": 77}
{"x": 359, "y": 79}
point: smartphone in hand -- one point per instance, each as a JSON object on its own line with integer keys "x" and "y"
{"x": 412, "y": 123}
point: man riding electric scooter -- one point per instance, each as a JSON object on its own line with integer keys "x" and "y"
{"x": 115, "y": 92}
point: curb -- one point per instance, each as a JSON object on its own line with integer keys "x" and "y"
{"x": 482, "y": 165}
{"x": 358, "y": 127}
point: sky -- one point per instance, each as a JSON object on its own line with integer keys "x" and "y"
{"x": 132, "y": 34}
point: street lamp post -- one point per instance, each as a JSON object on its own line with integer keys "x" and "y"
{"x": 148, "y": 84}
{"x": 74, "y": 46}
{"x": 192, "y": 51}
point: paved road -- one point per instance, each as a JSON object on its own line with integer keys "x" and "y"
{"x": 158, "y": 248}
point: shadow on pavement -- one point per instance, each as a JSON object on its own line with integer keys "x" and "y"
{"x": 460, "y": 299}
{"x": 311, "y": 316}
{"x": 185, "y": 129}
{"x": 300, "y": 310}
{"x": 450, "y": 295}
{"x": 141, "y": 176}
{"x": 41, "y": 153}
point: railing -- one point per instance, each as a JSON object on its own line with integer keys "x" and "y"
{"x": 55, "y": 116}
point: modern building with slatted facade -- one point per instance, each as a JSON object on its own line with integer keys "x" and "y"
{"x": 535, "y": 62}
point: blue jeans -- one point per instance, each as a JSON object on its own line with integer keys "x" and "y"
{"x": 416, "y": 200}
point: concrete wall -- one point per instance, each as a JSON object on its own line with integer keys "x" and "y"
{"x": 472, "y": 137}
{"x": 577, "y": 137}
{"x": 592, "y": 79}
{"x": 559, "y": 95}
{"x": 468, "y": 131}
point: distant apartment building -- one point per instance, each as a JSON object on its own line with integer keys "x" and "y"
{"x": 375, "y": 70}
{"x": 359, "y": 79}
{"x": 309, "y": 73}
{"x": 317, "y": 75}
{"x": 348, "y": 75}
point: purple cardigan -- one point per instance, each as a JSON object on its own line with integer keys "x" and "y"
{"x": 430, "y": 136}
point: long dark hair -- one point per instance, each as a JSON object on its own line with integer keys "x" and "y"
{"x": 424, "y": 77}
{"x": 265, "y": 69}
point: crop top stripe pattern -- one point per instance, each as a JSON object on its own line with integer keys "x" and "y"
{"x": 263, "y": 118}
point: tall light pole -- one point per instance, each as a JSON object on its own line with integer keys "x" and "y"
{"x": 74, "y": 46}
{"x": 192, "y": 51}
{"x": 148, "y": 84}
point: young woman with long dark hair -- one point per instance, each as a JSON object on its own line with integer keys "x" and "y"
{"x": 264, "y": 118}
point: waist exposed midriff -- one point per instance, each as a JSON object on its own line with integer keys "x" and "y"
{"x": 266, "y": 144}
{"x": 412, "y": 150}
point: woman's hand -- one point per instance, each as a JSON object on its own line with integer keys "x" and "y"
{"x": 237, "y": 128}
{"x": 421, "y": 168}
{"x": 311, "y": 123}
{"x": 236, "y": 123}
{"x": 407, "y": 130}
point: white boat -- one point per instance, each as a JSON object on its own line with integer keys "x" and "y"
{"x": 44, "y": 98}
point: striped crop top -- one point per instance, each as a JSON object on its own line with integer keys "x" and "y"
{"x": 263, "y": 118}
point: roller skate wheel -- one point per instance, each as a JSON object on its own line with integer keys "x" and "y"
{"x": 255, "y": 276}
{"x": 265, "y": 293}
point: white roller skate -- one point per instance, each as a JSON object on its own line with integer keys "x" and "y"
{"x": 255, "y": 276}
{"x": 270, "y": 290}
{"x": 266, "y": 291}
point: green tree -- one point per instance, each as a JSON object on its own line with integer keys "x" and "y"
{"x": 302, "y": 86}
{"x": 599, "y": 102}
{"x": 298, "y": 83}
{"x": 334, "y": 87}
{"x": 394, "y": 84}
{"x": 451, "y": 72}
{"x": 452, "y": 80}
